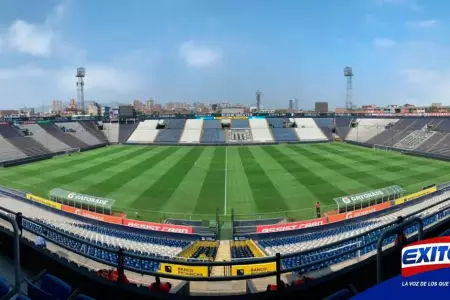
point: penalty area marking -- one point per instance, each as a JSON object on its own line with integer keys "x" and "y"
{"x": 225, "y": 181}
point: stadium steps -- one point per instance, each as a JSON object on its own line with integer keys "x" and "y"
{"x": 223, "y": 254}
{"x": 257, "y": 252}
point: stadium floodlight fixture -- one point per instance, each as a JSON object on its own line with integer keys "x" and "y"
{"x": 348, "y": 71}
{"x": 81, "y": 72}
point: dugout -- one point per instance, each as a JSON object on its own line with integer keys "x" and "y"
{"x": 86, "y": 202}
{"x": 366, "y": 199}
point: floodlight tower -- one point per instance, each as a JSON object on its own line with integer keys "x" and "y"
{"x": 81, "y": 73}
{"x": 258, "y": 100}
{"x": 348, "y": 73}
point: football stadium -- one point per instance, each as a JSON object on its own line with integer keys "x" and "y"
{"x": 309, "y": 206}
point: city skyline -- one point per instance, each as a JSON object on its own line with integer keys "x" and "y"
{"x": 203, "y": 51}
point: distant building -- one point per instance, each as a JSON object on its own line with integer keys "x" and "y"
{"x": 72, "y": 104}
{"x": 321, "y": 107}
{"x": 8, "y": 113}
{"x": 138, "y": 105}
{"x": 57, "y": 106}
{"x": 104, "y": 110}
{"x": 291, "y": 105}
{"x": 94, "y": 109}
{"x": 296, "y": 104}
{"x": 149, "y": 105}
{"x": 157, "y": 107}
{"x": 232, "y": 111}
{"x": 28, "y": 111}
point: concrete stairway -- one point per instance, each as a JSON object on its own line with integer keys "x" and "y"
{"x": 223, "y": 254}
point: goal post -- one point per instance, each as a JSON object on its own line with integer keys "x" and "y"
{"x": 378, "y": 147}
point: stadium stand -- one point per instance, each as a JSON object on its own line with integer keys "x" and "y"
{"x": 352, "y": 233}
{"x": 75, "y": 129}
{"x": 9, "y": 152}
{"x": 277, "y": 122}
{"x": 414, "y": 139}
{"x": 442, "y": 147}
{"x": 326, "y": 125}
{"x": 260, "y": 130}
{"x": 240, "y": 249}
{"x": 201, "y": 250}
{"x": 125, "y": 131}
{"x": 93, "y": 129}
{"x": 192, "y": 131}
{"x": 64, "y": 137}
{"x": 213, "y": 136}
{"x": 41, "y": 136}
{"x": 307, "y": 130}
{"x": 212, "y": 133}
{"x": 240, "y": 124}
{"x": 26, "y": 145}
{"x": 144, "y": 133}
{"x": 239, "y": 135}
{"x": 172, "y": 132}
{"x": 169, "y": 136}
{"x": 7, "y": 131}
{"x": 342, "y": 127}
{"x": 111, "y": 131}
{"x": 284, "y": 135}
{"x": 174, "y": 123}
{"x": 368, "y": 128}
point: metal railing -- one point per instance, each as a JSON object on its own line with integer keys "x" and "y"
{"x": 366, "y": 246}
{"x": 16, "y": 260}
{"x": 395, "y": 230}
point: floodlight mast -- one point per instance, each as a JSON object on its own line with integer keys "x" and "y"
{"x": 81, "y": 73}
{"x": 348, "y": 73}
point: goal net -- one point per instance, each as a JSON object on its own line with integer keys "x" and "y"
{"x": 378, "y": 147}
{"x": 73, "y": 150}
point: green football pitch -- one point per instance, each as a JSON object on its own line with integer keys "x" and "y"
{"x": 255, "y": 181}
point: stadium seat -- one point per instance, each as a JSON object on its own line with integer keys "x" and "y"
{"x": 343, "y": 294}
{"x": 55, "y": 286}
{"x": 83, "y": 297}
{"x": 4, "y": 287}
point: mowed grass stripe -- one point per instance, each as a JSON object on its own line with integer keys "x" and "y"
{"x": 74, "y": 174}
{"x": 119, "y": 179}
{"x": 157, "y": 194}
{"x": 56, "y": 163}
{"x": 130, "y": 191}
{"x": 212, "y": 192}
{"x": 407, "y": 173}
{"x": 239, "y": 192}
{"x": 348, "y": 168}
{"x": 185, "y": 196}
{"x": 267, "y": 198}
{"x": 292, "y": 191}
{"x": 315, "y": 184}
{"x": 46, "y": 181}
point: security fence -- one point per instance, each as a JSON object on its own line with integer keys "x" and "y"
{"x": 236, "y": 269}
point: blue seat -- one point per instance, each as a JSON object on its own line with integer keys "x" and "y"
{"x": 35, "y": 293}
{"x": 22, "y": 297}
{"x": 343, "y": 294}
{"x": 56, "y": 287}
{"x": 83, "y": 297}
{"x": 4, "y": 287}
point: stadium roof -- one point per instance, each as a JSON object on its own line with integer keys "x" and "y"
{"x": 367, "y": 197}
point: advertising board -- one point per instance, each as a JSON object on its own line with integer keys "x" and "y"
{"x": 253, "y": 269}
{"x": 188, "y": 271}
{"x": 92, "y": 215}
{"x": 157, "y": 226}
{"x": 359, "y": 212}
{"x": 290, "y": 226}
{"x": 415, "y": 195}
{"x": 43, "y": 201}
